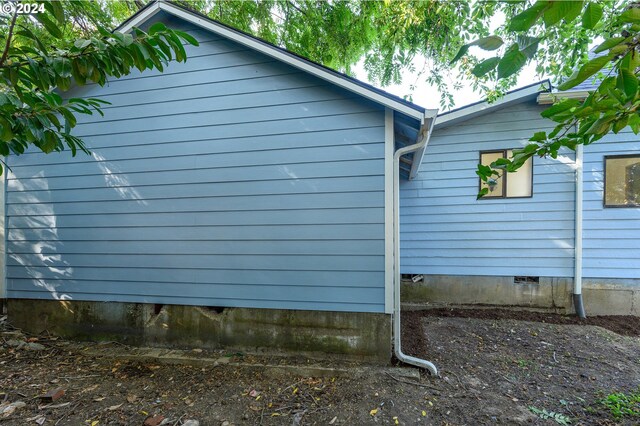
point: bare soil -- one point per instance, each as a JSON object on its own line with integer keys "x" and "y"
{"x": 495, "y": 365}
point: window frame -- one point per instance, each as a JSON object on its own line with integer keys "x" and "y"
{"x": 503, "y": 196}
{"x": 604, "y": 182}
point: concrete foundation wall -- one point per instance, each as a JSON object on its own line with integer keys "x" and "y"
{"x": 601, "y": 296}
{"x": 361, "y": 336}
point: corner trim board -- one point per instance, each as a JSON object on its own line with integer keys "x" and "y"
{"x": 389, "y": 144}
{"x": 3, "y": 236}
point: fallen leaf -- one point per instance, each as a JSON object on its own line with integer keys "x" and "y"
{"x": 102, "y": 398}
{"x": 40, "y": 419}
{"x": 395, "y": 420}
{"x": 89, "y": 389}
{"x": 132, "y": 398}
{"x": 424, "y": 413}
{"x": 53, "y": 406}
{"x": 8, "y": 408}
{"x": 333, "y": 420}
{"x": 254, "y": 393}
{"x": 114, "y": 407}
{"x": 373, "y": 412}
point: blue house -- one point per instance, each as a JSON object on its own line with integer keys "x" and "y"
{"x": 553, "y": 229}
{"x": 250, "y": 198}
{"x": 242, "y": 199}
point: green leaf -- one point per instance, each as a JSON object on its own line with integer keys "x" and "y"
{"x": 559, "y": 107}
{"x": 57, "y": 11}
{"x": 26, "y": 32}
{"x": 586, "y": 71}
{"x": 620, "y": 124}
{"x": 463, "y": 51}
{"x": 631, "y": 15}
{"x": 81, "y": 43}
{"x": 489, "y": 43}
{"x": 485, "y": 66}
{"x": 525, "y": 20}
{"x": 574, "y": 11}
{"x": 188, "y": 38}
{"x": 157, "y": 27}
{"x": 6, "y": 133}
{"x": 627, "y": 82}
{"x": 539, "y": 137}
{"x": 51, "y": 27}
{"x": 558, "y": 10}
{"x": 50, "y": 142}
{"x": 482, "y": 193}
{"x": 70, "y": 119}
{"x": 512, "y": 61}
{"x": 592, "y": 15}
{"x": 609, "y": 43}
{"x": 600, "y": 126}
{"x": 528, "y": 45}
{"x": 634, "y": 123}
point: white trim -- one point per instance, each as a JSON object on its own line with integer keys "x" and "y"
{"x": 549, "y": 98}
{"x": 484, "y": 106}
{"x": 139, "y": 19}
{"x": 579, "y": 188}
{"x": 274, "y": 53}
{"x": 389, "y": 147}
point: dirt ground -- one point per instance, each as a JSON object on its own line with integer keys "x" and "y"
{"x": 497, "y": 367}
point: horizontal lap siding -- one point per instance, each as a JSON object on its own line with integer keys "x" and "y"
{"x": 231, "y": 180}
{"x": 611, "y": 235}
{"x": 445, "y": 231}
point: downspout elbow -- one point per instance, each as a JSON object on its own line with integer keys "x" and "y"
{"x": 425, "y": 133}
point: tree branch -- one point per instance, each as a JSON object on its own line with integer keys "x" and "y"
{"x": 9, "y": 35}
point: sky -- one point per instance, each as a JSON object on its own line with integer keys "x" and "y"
{"x": 428, "y": 96}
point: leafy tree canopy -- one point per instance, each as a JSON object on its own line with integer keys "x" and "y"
{"x": 61, "y": 45}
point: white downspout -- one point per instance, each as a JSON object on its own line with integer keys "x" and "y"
{"x": 577, "y": 278}
{"x": 397, "y": 334}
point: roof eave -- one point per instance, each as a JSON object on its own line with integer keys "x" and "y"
{"x": 550, "y": 97}
{"x": 482, "y": 107}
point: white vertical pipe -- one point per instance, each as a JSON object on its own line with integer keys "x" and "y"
{"x": 577, "y": 277}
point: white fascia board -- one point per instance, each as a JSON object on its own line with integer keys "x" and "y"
{"x": 274, "y": 53}
{"x": 151, "y": 10}
{"x": 549, "y": 98}
{"x": 484, "y": 106}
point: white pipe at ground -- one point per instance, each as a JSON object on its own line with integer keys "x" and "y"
{"x": 397, "y": 330}
{"x": 577, "y": 277}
